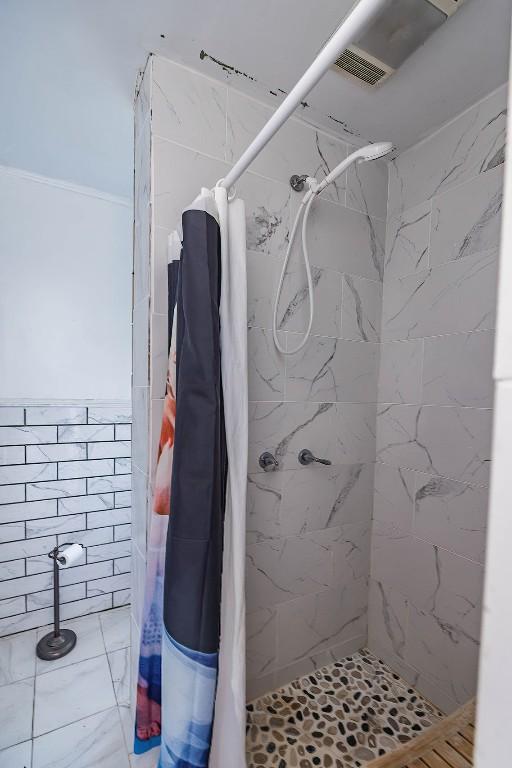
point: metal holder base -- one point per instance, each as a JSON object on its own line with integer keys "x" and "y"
{"x": 52, "y": 646}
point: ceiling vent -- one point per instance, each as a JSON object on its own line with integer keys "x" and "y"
{"x": 396, "y": 32}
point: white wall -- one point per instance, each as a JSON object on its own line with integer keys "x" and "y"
{"x": 65, "y": 275}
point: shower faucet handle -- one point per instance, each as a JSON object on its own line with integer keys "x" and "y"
{"x": 268, "y": 462}
{"x": 306, "y": 457}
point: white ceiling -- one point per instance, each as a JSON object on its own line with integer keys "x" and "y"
{"x": 67, "y": 69}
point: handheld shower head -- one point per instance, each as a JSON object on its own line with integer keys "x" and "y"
{"x": 363, "y": 155}
{"x": 374, "y": 151}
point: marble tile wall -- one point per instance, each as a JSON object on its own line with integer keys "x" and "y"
{"x": 65, "y": 476}
{"x": 435, "y": 403}
{"x": 308, "y": 529}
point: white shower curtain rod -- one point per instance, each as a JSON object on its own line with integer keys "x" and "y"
{"x": 349, "y": 30}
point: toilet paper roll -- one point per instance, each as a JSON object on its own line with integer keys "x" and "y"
{"x": 70, "y": 555}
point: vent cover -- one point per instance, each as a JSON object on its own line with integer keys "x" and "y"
{"x": 362, "y": 66}
{"x": 397, "y": 31}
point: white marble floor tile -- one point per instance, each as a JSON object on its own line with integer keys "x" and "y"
{"x": 148, "y": 760}
{"x": 17, "y": 657}
{"x": 72, "y": 693}
{"x": 89, "y": 643}
{"x": 119, "y": 662}
{"x": 16, "y": 702}
{"x": 115, "y": 626}
{"x": 127, "y": 724}
{"x": 95, "y": 742}
{"x": 19, "y": 756}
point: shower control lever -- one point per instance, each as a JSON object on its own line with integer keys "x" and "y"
{"x": 306, "y": 457}
{"x": 268, "y": 462}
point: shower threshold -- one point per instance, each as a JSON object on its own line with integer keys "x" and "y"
{"x": 343, "y": 715}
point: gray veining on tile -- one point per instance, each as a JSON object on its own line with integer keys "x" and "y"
{"x": 393, "y": 500}
{"x": 400, "y": 371}
{"x": 387, "y": 614}
{"x": 17, "y": 657}
{"x": 293, "y": 308}
{"x": 407, "y": 242}
{"x": 361, "y": 309}
{"x": 16, "y": 712}
{"x": 264, "y": 495}
{"x": 367, "y": 188}
{"x": 457, "y": 370}
{"x": 422, "y": 304}
{"x": 18, "y": 756}
{"x": 467, "y": 220}
{"x": 261, "y": 642}
{"x": 265, "y": 366}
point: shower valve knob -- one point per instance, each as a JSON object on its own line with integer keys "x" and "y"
{"x": 306, "y": 457}
{"x": 268, "y": 462}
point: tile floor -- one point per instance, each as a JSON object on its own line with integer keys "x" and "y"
{"x": 71, "y": 713}
{"x": 74, "y": 713}
{"x": 341, "y": 716}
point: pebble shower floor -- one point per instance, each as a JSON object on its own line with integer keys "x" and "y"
{"x": 341, "y": 716}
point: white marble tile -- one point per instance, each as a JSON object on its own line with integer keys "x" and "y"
{"x": 72, "y": 693}
{"x": 457, "y": 370}
{"x": 19, "y": 756}
{"x": 350, "y": 546}
{"x": 387, "y": 620}
{"x": 400, "y": 371}
{"x": 142, "y": 171}
{"x": 89, "y": 643}
{"x": 261, "y": 628}
{"x": 267, "y": 214}
{"x": 16, "y": 700}
{"x": 188, "y": 108}
{"x": 265, "y": 367}
{"x": 55, "y": 489}
{"x": 13, "y": 605}
{"x": 12, "y": 454}
{"x": 140, "y": 343}
{"x": 296, "y": 148}
{"x": 422, "y": 304}
{"x": 17, "y": 657}
{"x": 390, "y": 555}
{"x": 109, "y": 483}
{"x": 66, "y": 452}
{"x": 159, "y": 354}
{"x": 345, "y": 240}
{"x": 141, "y": 257}
{"x": 281, "y": 569}
{"x": 121, "y": 598}
{"x": 319, "y": 497}
{"x": 18, "y": 549}
{"x": 46, "y": 598}
{"x": 316, "y": 622}
{"x": 293, "y": 308}
{"x": 88, "y": 433}
{"x": 407, "y": 242}
{"x": 94, "y": 742}
{"x": 55, "y": 414}
{"x": 264, "y": 495}
{"x": 10, "y": 494}
{"x": 332, "y": 370}
{"x": 119, "y": 662}
{"x": 27, "y": 435}
{"x": 361, "y": 309}
{"x": 467, "y": 219}
{"x": 343, "y": 433}
{"x": 367, "y": 188}
{"x": 143, "y": 97}
{"x": 11, "y": 416}
{"x": 261, "y": 284}
{"x": 470, "y": 145}
{"x": 110, "y": 414}
{"x": 12, "y": 532}
{"x": 147, "y": 760}
{"x": 448, "y": 441}
{"x": 179, "y": 175}
{"x": 119, "y": 448}
{"x": 451, "y": 515}
{"x": 115, "y": 626}
{"x": 27, "y": 473}
{"x": 393, "y": 500}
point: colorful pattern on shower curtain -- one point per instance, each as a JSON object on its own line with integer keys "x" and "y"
{"x": 148, "y": 718}
{"x": 202, "y": 718}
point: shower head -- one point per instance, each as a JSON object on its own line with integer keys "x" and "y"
{"x": 363, "y": 155}
{"x": 374, "y": 151}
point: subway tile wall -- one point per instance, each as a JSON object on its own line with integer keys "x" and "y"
{"x": 65, "y": 476}
{"x": 435, "y": 403}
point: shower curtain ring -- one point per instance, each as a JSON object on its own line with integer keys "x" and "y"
{"x": 233, "y": 195}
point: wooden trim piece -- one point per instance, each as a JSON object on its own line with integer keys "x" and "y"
{"x": 419, "y": 752}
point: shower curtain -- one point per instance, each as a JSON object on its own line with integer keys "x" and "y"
{"x": 191, "y": 684}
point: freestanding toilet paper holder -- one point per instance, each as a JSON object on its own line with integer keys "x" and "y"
{"x": 59, "y": 642}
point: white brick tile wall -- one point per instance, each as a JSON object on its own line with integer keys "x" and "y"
{"x": 64, "y": 476}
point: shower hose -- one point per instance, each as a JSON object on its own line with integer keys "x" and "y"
{"x": 305, "y": 207}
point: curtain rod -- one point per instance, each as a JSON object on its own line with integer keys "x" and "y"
{"x": 351, "y": 27}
